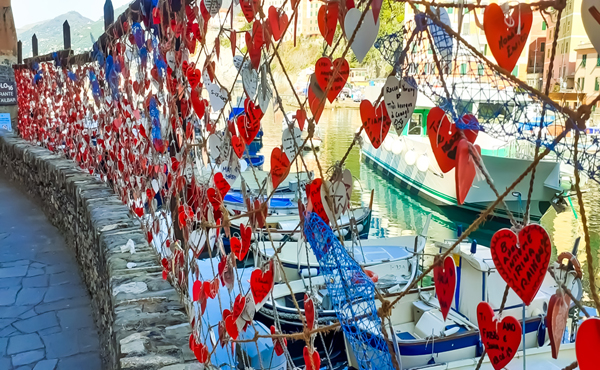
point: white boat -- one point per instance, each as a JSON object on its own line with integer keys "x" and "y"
{"x": 424, "y": 338}
{"x": 408, "y": 159}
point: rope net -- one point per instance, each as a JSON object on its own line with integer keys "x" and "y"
{"x": 157, "y": 118}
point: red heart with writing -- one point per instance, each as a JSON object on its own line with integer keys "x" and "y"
{"x": 246, "y": 235}
{"x": 500, "y": 339}
{"x": 238, "y": 305}
{"x": 238, "y": 146}
{"x": 327, "y": 20}
{"x": 444, "y": 137}
{"x": 522, "y": 262}
{"x": 556, "y": 319}
{"x": 278, "y": 22}
{"x": 221, "y": 184}
{"x": 444, "y": 276}
{"x": 505, "y": 42}
{"x": 376, "y": 122}
{"x": 259, "y": 34}
{"x": 213, "y": 198}
{"x": 313, "y": 191}
{"x": 280, "y": 166}
{"x": 309, "y": 312}
{"x": 253, "y": 111}
{"x": 586, "y": 344}
{"x": 198, "y": 104}
{"x": 211, "y": 288}
{"x": 311, "y": 359}
{"x": 324, "y": 71}
{"x": 301, "y": 118}
{"x": 261, "y": 284}
{"x": 197, "y": 290}
{"x": 465, "y": 169}
{"x": 253, "y": 51}
{"x": 236, "y": 248}
{"x": 200, "y": 350}
{"x": 249, "y": 8}
{"x": 247, "y": 128}
{"x": 194, "y": 76}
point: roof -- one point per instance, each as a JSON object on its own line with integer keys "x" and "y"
{"x": 584, "y": 46}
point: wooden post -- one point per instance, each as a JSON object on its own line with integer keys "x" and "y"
{"x": 34, "y": 45}
{"x": 19, "y": 52}
{"x": 67, "y": 35}
{"x": 109, "y": 14}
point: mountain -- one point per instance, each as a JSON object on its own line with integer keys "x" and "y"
{"x": 50, "y": 33}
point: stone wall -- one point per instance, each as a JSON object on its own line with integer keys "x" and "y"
{"x": 140, "y": 320}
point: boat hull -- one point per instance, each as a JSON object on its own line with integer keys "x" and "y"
{"x": 439, "y": 189}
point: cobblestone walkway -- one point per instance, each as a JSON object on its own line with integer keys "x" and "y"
{"x": 45, "y": 312}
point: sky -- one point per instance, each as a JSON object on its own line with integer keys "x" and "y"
{"x": 33, "y": 11}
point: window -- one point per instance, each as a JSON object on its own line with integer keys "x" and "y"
{"x": 450, "y": 10}
{"x": 583, "y": 59}
{"x": 544, "y": 26}
{"x": 463, "y": 69}
{"x": 543, "y": 47}
{"x": 596, "y": 85}
{"x": 598, "y": 61}
{"x": 480, "y": 69}
{"x": 466, "y": 29}
{"x": 580, "y": 83}
{"x": 485, "y": 50}
{"x": 515, "y": 71}
{"x": 415, "y": 126}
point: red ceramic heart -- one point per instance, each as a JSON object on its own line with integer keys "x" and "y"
{"x": 309, "y": 312}
{"x": 196, "y": 290}
{"x": 465, "y": 169}
{"x": 261, "y": 284}
{"x": 211, "y": 288}
{"x": 444, "y": 137}
{"x": 278, "y": 22}
{"x": 233, "y": 40}
{"x": 249, "y": 8}
{"x": 261, "y": 217}
{"x": 506, "y": 43}
{"x": 246, "y": 235}
{"x": 301, "y": 118}
{"x": 280, "y": 167}
{"x": 236, "y": 248}
{"x": 324, "y": 71}
{"x": 231, "y": 326}
{"x": 311, "y": 359}
{"x": 238, "y": 146}
{"x": 221, "y": 184}
{"x": 315, "y": 101}
{"x": 444, "y": 277}
{"x": 376, "y": 122}
{"x": 586, "y": 344}
{"x": 253, "y": 51}
{"x": 238, "y": 306}
{"x": 522, "y": 262}
{"x": 278, "y": 342}
{"x": 213, "y": 198}
{"x": 194, "y": 76}
{"x": 253, "y": 111}
{"x": 247, "y": 128}
{"x": 327, "y": 20}
{"x": 500, "y": 339}
{"x": 313, "y": 191}
{"x": 556, "y": 319}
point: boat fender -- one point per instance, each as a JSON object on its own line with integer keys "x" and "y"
{"x": 541, "y": 334}
{"x": 410, "y": 157}
{"x": 387, "y": 144}
{"x": 398, "y": 147}
{"x": 423, "y": 163}
{"x": 374, "y": 277}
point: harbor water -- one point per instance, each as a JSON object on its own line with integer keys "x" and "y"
{"x": 397, "y": 212}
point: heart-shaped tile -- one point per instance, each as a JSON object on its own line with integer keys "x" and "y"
{"x": 444, "y": 137}
{"x": 366, "y": 34}
{"x": 465, "y": 169}
{"x": 324, "y": 72}
{"x": 327, "y": 21}
{"x": 400, "y": 100}
{"x": 506, "y": 43}
{"x": 238, "y": 146}
{"x": 556, "y": 319}
{"x": 375, "y": 122}
{"x": 522, "y": 262}
{"x": 278, "y": 22}
{"x": 291, "y": 141}
{"x": 444, "y": 277}
{"x": 261, "y": 284}
{"x": 309, "y": 312}
{"x": 218, "y": 96}
{"x": 221, "y": 184}
{"x": 586, "y": 344}
{"x": 315, "y": 200}
{"x": 500, "y": 339}
{"x": 247, "y": 128}
{"x": 312, "y": 359}
{"x": 280, "y": 167}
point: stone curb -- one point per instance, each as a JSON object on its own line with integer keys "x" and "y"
{"x": 140, "y": 320}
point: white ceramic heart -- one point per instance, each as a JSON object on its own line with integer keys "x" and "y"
{"x": 366, "y": 34}
{"x": 400, "y": 100}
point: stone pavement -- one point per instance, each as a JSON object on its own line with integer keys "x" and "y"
{"x": 45, "y": 314}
